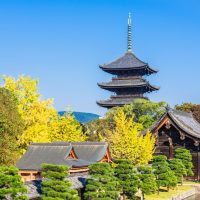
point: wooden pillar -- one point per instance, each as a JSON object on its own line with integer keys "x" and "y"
{"x": 198, "y": 163}
{"x": 31, "y": 176}
{"x": 170, "y": 148}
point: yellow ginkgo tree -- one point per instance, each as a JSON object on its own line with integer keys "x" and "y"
{"x": 42, "y": 122}
{"x": 66, "y": 128}
{"x": 127, "y": 142}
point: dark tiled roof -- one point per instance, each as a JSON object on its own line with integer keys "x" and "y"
{"x": 91, "y": 153}
{"x": 185, "y": 121}
{"x": 127, "y": 61}
{"x": 57, "y": 153}
{"x": 118, "y": 101}
{"x": 127, "y": 82}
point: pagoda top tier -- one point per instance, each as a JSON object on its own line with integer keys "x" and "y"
{"x": 128, "y": 63}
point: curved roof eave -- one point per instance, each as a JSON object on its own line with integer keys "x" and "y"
{"x": 185, "y": 127}
{"x": 129, "y": 68}
{"x": 104, "y": 86}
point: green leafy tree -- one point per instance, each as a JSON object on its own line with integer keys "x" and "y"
{"x": 11, "y": 186}
{"x": 190, "y": 107}
{"x": 145, "y": 112}
{"x": 185, "y": 156}
{"x": 164, "y": 175}
{"x": 97, "y": 130}
{"x": 54, "y": 185}
{"x": 127, "y": 177}
{"x": 102, "y": 185}
{"x": 147, "y": 181}
{"x": 35, "y": 111}
{"x": 176, "y": 165}
{"x": 11, "y": 126}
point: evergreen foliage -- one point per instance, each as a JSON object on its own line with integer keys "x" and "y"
{"x": 127, "y": 177}
{"x": 11, "y": 185}
{"x": 147, "y": 180}
{"x": 102, "y": 185}
{"x": 185, "y": 156}
{"x": 54, "y": 185}
{"x": 176, "y": 165}
{"x": 11, "y": 126}
{"x": 164, "y": 175}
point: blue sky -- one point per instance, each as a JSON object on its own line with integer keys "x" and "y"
{"x": 61, "y": 43}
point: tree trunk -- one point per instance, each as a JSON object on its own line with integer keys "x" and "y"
{"x": 158, "y": 191}
{"x": 124, "y": 196}
{"x": 142, "y": 195}
{"x": 167, "y": 188}
{"x": 181, "y": 180}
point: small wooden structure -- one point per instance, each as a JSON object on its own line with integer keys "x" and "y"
{"x": 77, "y": 155}
{"x": 178, "y": 129}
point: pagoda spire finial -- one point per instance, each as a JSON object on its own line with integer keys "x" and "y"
{"x": 129, "y": 34}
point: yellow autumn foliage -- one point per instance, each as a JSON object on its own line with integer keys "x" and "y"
{"x": 42, "y": 123}
{"x": 126, "y": 142}
{"x": 66, "y": 129}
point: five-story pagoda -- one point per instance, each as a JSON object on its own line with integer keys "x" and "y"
{"x": 128, "y": 83}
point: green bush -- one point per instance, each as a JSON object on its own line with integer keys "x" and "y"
{"x": 127, "y": 177}
{"x": 11, "y": 184}
{"x": 54, "y": 185}
{"x": 102, "y": 185}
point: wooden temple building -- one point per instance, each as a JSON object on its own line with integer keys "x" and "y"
{"x": 77, "y": 155}
{"x": 178, "y": 129}
{"x": 128, "y": 83}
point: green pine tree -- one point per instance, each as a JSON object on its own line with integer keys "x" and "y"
{"x": 11, "y": 185}
{"x": 185, "y": 156}
{"x": 164, "y": 175}
{"x": 54, "y": 185}
{"x": 102, "y": 185}
{"x": 147, "y": 180}
{"x": 176, "y": 165}
{"x": 127, "y": 177}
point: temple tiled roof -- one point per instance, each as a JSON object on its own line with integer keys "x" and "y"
{"x": 186, "y": 122}
{"x": 183, "y": 120}
{"x": 57, "y": 153}
{"x": 127, "y": 61}
{"x": 118, "y": 101}
{"x": 131, "y": 82}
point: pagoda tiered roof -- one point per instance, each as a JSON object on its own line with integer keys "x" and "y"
{"x": 119, "y": 100}
{"x": 128, "y": 62}
{"x": 128, "y": 82}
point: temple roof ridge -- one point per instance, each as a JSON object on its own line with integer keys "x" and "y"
{"x": 127, "y": 61}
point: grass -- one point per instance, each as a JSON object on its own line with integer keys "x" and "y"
{"x": 164, "y": 195}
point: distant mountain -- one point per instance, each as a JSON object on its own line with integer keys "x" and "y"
{"x": 82, "y": 117}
